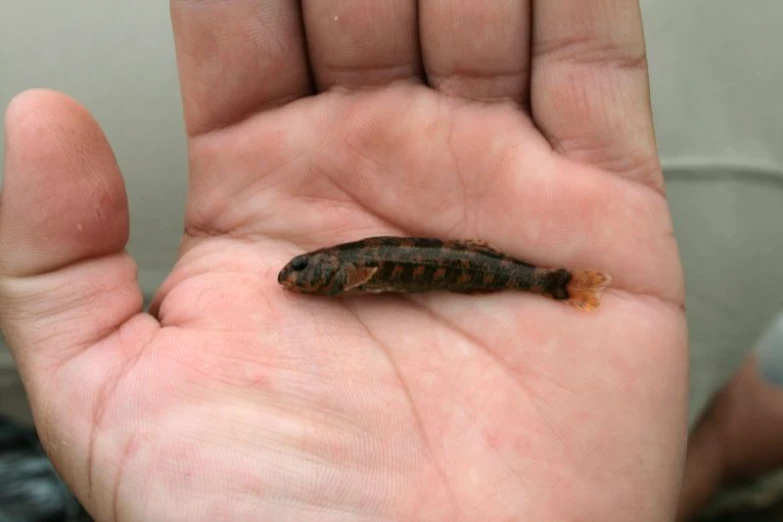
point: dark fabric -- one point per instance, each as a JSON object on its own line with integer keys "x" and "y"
{"x": 30, "y": 490}
{"x": 773, "y": 513}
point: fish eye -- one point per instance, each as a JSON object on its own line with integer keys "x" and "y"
{"x": 299, "y": 263}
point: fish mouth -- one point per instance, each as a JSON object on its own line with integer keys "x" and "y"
{"x": 284, "y": 278}
{"x": 288, "y": 282}
{"x": 290, "y": 286}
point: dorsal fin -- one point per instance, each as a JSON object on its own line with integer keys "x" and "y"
{"x": 477, "y": 244}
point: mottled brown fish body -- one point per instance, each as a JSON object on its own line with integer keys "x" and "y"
{"x": 412, "y": 265}
{"x": 427, "y": 265}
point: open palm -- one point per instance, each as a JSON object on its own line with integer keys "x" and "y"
{"x": 236, "y": 400}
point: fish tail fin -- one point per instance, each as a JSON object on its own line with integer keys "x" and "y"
{"x": 585, "y": 288}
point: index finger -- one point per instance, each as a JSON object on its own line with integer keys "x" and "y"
{"x": 590, "y": 87}
{"x": 236, "y": 57}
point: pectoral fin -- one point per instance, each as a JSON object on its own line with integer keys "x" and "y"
{"x": 358, "y": 276}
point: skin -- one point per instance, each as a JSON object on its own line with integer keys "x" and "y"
{"x": 524, "y": 124}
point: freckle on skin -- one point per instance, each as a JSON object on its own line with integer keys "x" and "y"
{"x": 258, "y": 379}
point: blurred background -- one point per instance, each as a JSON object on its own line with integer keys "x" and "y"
{"x": 716, "y": 77}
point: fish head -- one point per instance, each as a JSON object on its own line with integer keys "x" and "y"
{"x": 311, "y": 273}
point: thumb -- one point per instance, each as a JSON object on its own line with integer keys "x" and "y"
{"x": 65, "y": 280}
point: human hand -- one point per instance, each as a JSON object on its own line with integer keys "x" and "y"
{"x": 528, "y": 127}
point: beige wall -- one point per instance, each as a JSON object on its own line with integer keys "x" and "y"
{"x": 717, "y": 73}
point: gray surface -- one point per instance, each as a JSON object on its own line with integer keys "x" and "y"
{"x": 770, "y": 350}
{"x": 716, "y": 71}
{"x": 732, "y": 256}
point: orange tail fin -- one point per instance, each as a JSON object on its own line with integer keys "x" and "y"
{"x": 585, "y": 288}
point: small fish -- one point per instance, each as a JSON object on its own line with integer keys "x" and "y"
{"x": 411, "y": 264}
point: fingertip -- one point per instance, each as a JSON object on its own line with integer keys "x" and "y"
{"x": 28, "y": 107}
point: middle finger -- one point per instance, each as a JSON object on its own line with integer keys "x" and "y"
{"x": 361, "y": 43}
{"x": 477, "y": 50}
